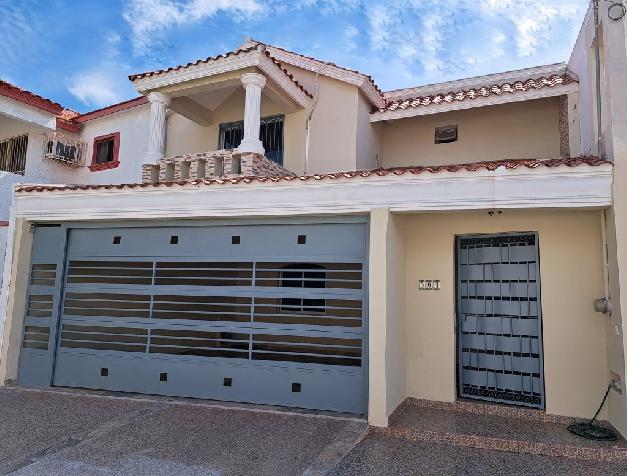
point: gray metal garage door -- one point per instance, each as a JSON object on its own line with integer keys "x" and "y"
{"x": 264, "y": 313}
{"x": 499, "y": 319}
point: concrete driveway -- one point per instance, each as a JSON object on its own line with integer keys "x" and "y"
{"x": 47, "y": 432}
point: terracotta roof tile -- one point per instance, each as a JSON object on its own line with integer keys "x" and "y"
{"x": 328, "y": 63}
{"x": 22, "y": 95}
{"x": 134, "y": 77}
{"x": 148, "y": 74}
{"x": 381, "y": 172}
{"x": 480, "y": 92}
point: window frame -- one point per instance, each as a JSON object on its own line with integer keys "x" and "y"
{"x": 95, "y": 167}
{"x": 11, "y": 163}
{"x": 225, "y": 127}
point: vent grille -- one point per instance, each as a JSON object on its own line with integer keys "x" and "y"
{"x": 205, "y": 344}
{"x": 309, "y": 275}
{"x": 107, "y": 305}
{"x": 202, "y": 308}
{"x": 110, "y": 272}
{"x": 125, "y": 339}
{"x": 332, "y": 312}
{"x": 43, "y": 274}
{"x": 39, "y": 305}
{"x": 204, "y": 274}
{"x": 36, "y": 337}
{"x": 317, "y": 350}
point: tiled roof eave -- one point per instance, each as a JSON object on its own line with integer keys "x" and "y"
{"x": 451, "y": 97}
{"x": 573, "y": 162}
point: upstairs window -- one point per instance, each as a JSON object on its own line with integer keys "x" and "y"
{"x": 270, "y": 134}
{"x": 446, "y": 134}
{"x": 13, "y": 154}
{"x": 106, "y": 150}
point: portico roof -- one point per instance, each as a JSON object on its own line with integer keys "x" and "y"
{"x": 255, "y": 56}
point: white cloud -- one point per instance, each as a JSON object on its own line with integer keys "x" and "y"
{"x": 149, "y": 19}
{"x": 19, "y": 32}
{"x": 105, "y": 83}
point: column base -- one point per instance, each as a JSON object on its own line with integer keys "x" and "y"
{"x": 253, "y": 145}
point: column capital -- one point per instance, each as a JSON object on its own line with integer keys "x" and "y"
{"x": 253, "y": 78}
{"x": 159, "y": 98}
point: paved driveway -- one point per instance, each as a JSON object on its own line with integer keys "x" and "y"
{"x": 60, "y": 433}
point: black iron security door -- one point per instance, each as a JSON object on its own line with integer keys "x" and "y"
{"x": 499, "y": 319}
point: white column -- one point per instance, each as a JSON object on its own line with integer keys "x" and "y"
{"x": 156, "y": 142}
{"x": 253, "y": 83}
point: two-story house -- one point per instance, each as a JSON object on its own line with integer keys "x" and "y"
{"x": 267, "y": 227}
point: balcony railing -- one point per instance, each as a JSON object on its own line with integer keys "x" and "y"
{"x": 64, "y": 149}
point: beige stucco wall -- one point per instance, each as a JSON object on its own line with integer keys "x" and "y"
{"x": 614, "y": 132}
{"x": 575, "y": 361}
{"x": 186, "y": 137}
{"x": 519, "y": 130}
{"x": 333, "y": 130}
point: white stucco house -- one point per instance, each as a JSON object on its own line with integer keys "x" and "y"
{"x": 267, "y": 227}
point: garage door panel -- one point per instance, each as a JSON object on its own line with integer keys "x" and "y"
{"x": 269, "y": 384}
{"x": 257, "y": 241}
{"x": 287, "y": 307}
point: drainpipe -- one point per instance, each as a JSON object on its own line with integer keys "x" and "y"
{"x": 308, "y": 121}
{"x": 597, "y": 58}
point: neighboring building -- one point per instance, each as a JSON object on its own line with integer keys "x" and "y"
{"x": 289, "y": 234}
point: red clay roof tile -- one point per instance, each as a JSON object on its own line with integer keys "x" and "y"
{"x": 381, "y": 172}
{"x": 481, "y": 92}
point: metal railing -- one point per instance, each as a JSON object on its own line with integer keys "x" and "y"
{"x": 13, "y": 154}
{"x": 270, "y": 134}
{"x": 64, "y": 149}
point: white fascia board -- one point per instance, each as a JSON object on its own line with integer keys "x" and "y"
{"x": 272, "y": 71}
{"x": 491, "y": 100}
{"x": 357, "y": 79}
{"x": 202, "y": 70}
{"x": 21, "y": 112}
{"x": 560, "y": 187}
{"x": 478, "y": 81}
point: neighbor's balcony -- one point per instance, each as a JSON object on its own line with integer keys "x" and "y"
{"x": 64, "y": 149}
{"x": 227, "y": 163}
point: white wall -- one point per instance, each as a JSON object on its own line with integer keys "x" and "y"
{"x": 133, "y": 125}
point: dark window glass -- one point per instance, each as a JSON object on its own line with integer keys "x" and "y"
{"x": 270, "y": 134}
{"x": 105, "y": 151}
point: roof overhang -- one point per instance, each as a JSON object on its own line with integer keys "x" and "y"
{"x": 200, "y": 74}
{"x": 26, "y": 113}
{"x": 468, "y": 188}
{"x": 362, "y": 81}
{"x": 502, "y": 88}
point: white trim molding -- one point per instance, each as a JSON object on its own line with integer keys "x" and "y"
{"x": 521, "y": 188}
{"x": 545, "y": 92}
{"x": 22, "y": 112}
{"x": 254, "y": 58}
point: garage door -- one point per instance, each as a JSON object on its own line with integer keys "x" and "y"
{"x": 262, "y": 313}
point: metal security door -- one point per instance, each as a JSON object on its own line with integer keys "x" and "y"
{"x": 499, "y": 319}
{"x": 261, "y": 313}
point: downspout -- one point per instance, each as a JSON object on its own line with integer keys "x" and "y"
{"x": 597, "y": 61}
{"x": 604, "y": 257}
{"x": 308, "y": 121}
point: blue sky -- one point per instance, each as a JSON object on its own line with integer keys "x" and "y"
{"x": 80, "y": 52}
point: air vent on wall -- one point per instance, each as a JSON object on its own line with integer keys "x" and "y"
{"x": 446, "y": 134}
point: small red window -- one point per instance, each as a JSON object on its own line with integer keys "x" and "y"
{"x": 105, "y": 154}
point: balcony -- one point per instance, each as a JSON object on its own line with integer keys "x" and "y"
{"x": 219, "y": 164}
{"x": 64, "y": 149}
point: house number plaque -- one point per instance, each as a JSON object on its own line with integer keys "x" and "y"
{"x": 429, "y": 285}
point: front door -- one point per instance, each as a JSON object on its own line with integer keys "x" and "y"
{"x": 499, "y": 330}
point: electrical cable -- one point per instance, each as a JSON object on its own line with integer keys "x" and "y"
{"x": 590, "y": 431}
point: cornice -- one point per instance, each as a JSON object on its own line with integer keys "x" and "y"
{"x": 506, "y": 98}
